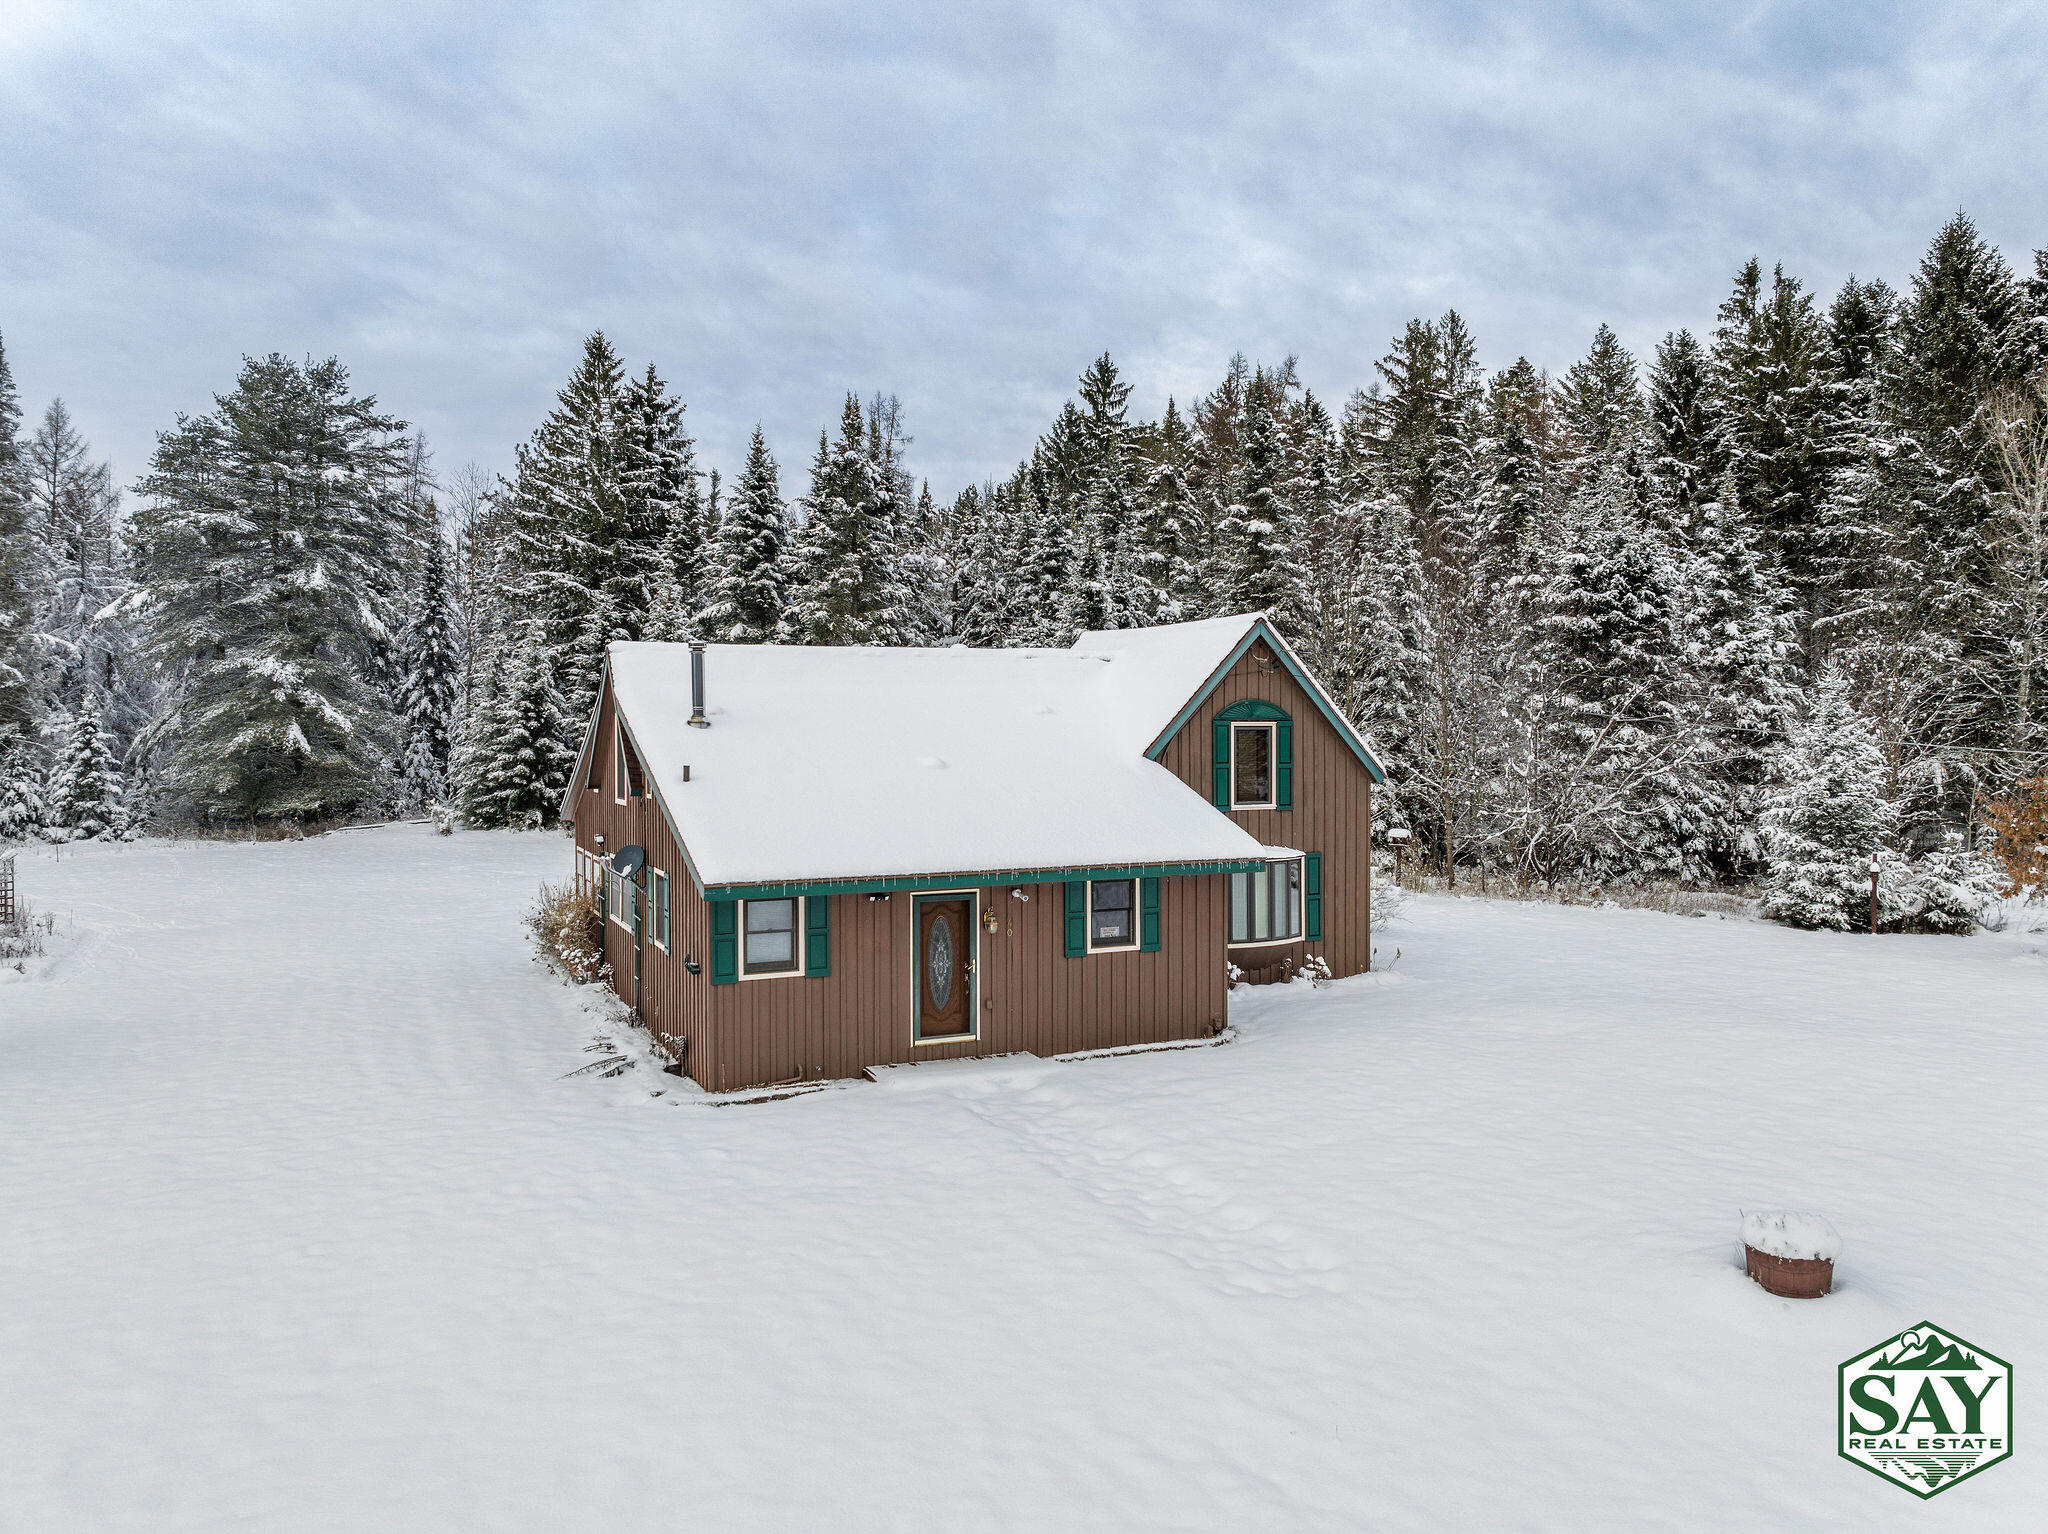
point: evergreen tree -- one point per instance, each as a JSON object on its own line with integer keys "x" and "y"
{"x": 1174, "y": 518}
{"x": 658, "y": 570}
{"x": 1770, "y": 353}
{"x": 432, "y": 676}
{"x": 84, "y": 798}
{"x": 1960, "y": 341}
{"x": 21, "y": 788}
{"x": 580, "y": 556}
{"x": 748, "y": 556}
{"x": 273, "y": 531}
{"x": 1684, "y": 424}
{"x": 1600, "y": 410}
{"x": 17, "y": 561}
{"x": 1827, "y": 819}
{"x": 517, "y": 763}
{"x": 846, "y": 582}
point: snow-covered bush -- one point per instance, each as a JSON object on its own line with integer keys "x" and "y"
{"x": 569, "y": 931}
{"x": 1827, "y": 818}
{"x": 1952, "y": 888}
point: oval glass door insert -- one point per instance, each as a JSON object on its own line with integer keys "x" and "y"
{"x": 939, "y": 963}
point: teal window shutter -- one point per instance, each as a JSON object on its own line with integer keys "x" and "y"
{"x": 1284, "y": 749}
{"x": 1312, "y": 896}
{"x": 725, "y": 942}
{"x": 1219, "y": 787}
{"x": 818, "y": 934}
{"x": 1148, "y": 915}
{"x": 1077, "y": 918}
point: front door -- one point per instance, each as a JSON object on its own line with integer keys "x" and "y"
{"x": 945, "y": 966}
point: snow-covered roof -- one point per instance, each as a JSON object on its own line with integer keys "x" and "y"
{"x": 824, "y": 764}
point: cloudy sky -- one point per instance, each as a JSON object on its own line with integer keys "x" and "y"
{"x": 960, "y": 203}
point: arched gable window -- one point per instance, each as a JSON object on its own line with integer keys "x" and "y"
{"x": 1253, "y": 761}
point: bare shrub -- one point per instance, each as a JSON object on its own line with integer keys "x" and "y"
{"x": 569, "y": 932}
{"x": 27, "y": 936}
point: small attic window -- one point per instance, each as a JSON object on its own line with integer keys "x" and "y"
{"x": 1251, "y": 766}
{"x": 626, "y": 779}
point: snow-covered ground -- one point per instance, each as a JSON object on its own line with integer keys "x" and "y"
{"x": 303, "y": 1225}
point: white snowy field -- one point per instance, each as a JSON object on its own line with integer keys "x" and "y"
{"x": 302, "y": 1227}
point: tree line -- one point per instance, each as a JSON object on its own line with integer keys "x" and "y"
{"x": 1593, "y": 619}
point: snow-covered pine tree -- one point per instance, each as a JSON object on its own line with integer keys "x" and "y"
{"x": 1960, "y": 340}
{"x": 1616, "y": 760}
{"x": 83, "y": 802}
{"x": 1739, "y": 643}
{"x": 574, "y": 547}
{"x": 1048, "y": 559}
{"x": 1770, "y": 376}
{"x": 1827, "y": 818}
{"x": 745, "y": 603}
{"x": 22, "y": 775}
{"x": 432, "y": 681}
{"x": 1600, "y": 411}
{"x": 1390, "y": 689}
{"x": 1255, "y": 536}
{"x": 846, "y": 581}
{"x": 83, "y": 631}
{"x": 658, "y": 571}
{"x": 271, "y": 532}
{"x": 517, "y": 762}
{"x": 1685, "y": 428}
{"x": 1175, "y": 520}
{"x": 17, "y": 563}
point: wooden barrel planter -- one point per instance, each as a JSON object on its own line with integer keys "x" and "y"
{"x": 1792, "y": 1254}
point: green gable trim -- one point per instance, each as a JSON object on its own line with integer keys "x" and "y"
{"x": 976, "y": 879}
{"x": 1259, "y": 630}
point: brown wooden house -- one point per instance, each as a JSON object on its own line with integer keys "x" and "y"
{"x": 857, "y": 857}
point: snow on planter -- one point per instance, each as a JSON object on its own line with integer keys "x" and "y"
{"x": 1791, "y": 1252}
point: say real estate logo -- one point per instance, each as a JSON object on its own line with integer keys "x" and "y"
{"x": 1925, "y": 1409}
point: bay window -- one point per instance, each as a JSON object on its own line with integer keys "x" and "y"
{"x": 1265, "y": 907}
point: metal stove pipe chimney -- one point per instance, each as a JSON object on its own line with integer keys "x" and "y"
{"x": 697, "y": 719}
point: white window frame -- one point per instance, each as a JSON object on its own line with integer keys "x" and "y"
{"x": 974, "y": 1009}
{"x": 618, "y": 895}
{"x": 1300, "y": 907}
{"x": 658, "y": 885}
{"x": 1271, "y": 727}
{"x": 618, "y": 759}
{"x": 802, "y": 958}
{"x": 1137, "y": 935}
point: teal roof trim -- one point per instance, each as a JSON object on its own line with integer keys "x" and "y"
{"x": 975, "y": 879}
{"x": 1260, "y": 630}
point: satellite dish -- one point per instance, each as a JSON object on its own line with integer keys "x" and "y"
{"x": 628, "y": 861}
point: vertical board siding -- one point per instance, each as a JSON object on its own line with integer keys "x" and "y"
{"x": 1332, "y": 811}
{"x": 1031, "y": 996}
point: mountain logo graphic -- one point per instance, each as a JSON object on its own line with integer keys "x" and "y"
{"x": 1925, "y": 1409}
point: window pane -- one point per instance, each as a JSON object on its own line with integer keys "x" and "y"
{"x": 1262, "y": 910}
{"x": 1253, "y": 763}
{"x": 1241, "y": 908}
{"x": 1292, "y": 872}
{"x": 1112, "y": 918}
{"x": 771, "y": 934}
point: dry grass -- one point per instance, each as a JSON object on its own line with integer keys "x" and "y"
{"x": 27, "y": 936}
{"x": 569, "y": 932}
{"x": 1676, "y": 899}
